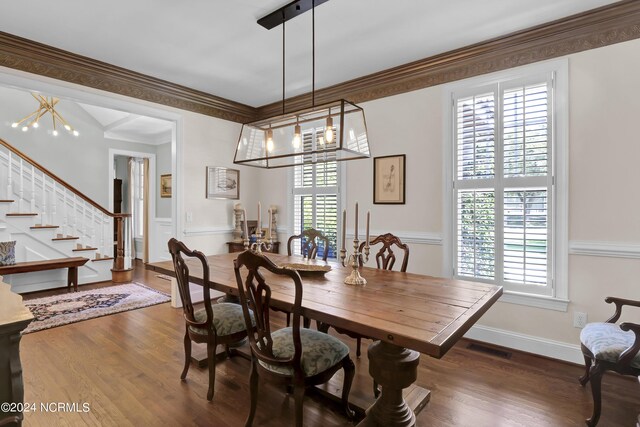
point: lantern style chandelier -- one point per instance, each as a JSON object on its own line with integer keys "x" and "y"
{"x": 335, "y": 131}
{"x": 47, "y": 105}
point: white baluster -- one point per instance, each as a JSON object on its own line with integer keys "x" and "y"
{"x": 84, "y": 220}
{"x": 54, "y": 204}
{"x": 65, "y": 209}
{"x": 33, "y": 189}
{"x": 9, "y": 179}
{"x": 109, "y": 238}
{"x": 74, "y": 207}
{"x": 44, "y": 200}
{"x": 94, "y": 242}
{"x": 21, "y": 192}
{"x": 103, "y": 249}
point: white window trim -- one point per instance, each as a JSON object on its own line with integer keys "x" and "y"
{"x": 342, "y": 185}
{"x": 559, "y": 300}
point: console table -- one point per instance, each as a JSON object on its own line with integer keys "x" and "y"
{"x": 14, "y": 317}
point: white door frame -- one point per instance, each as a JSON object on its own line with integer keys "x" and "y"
{"x": 151, "y": 211}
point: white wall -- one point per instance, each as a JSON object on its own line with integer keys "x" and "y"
{"x": 604, "y": 201}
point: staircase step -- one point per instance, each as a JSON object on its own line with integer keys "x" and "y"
{"x": 84, "y": 249}
{"x": 61, "y": 237}
{"x": 22, "y": 214}
{"x": 37, "y": 226}
{"x": 7, "y": 201}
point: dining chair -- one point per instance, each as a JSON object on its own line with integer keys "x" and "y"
{"x": 214, "y": 324}
{"x": 310, "y": 240}
{"x": 608, "y": 346}
{"x": 294, "y": 356}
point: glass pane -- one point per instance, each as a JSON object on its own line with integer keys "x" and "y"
{"x": 526, "y": 236}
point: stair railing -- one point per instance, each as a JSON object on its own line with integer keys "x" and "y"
{"x": 43, "y": 193}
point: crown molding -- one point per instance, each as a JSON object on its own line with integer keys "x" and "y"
{"x": 595, "y": 28}
{"x": 592, "y": 29}
{"x": 37, "y": 58}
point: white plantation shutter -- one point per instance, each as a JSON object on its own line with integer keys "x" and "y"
{"x": 315, "y": 198}
{"x": 503, "y": 184}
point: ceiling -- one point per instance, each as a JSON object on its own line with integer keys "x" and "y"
{"x": 217, "y": 47}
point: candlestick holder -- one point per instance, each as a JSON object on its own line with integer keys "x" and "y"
{"x": 258, "y": 246}
{"x": 354, "y": 260}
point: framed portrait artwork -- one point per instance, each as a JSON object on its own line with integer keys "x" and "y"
{"x": 223, "y": 183}
{"x": 165, "y": 185}
{"x": 389, "y": 180}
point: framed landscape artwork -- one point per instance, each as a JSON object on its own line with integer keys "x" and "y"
{"x": 165, "y": 185}
{"x": 223, "y": 183}
{"x": 389, "y": 180}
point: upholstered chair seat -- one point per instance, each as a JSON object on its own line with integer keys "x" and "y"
{"x": 606, "y": 341}
{"x": 319, "y": 351}
{"x": 227, "y": 319}
{"x": 609, "y": 346}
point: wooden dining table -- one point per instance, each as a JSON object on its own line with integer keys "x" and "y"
{"x": 406, "y": 314}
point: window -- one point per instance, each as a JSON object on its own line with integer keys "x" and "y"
{"x": 138, "y": 197}
{"x": 506, "y": 151}
{"x": 315, "y": 194}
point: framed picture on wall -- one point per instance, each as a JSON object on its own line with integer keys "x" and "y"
{"x": 389, "y": 180}
{"x": 223, "y": 183}
{"x": 165, "y": 185}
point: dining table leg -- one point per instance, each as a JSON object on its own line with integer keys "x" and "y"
{"x": 394, "y": 368}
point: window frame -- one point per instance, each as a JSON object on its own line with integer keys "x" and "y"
{"x": 314, "y": 191}
{"x": 557, "y": 296}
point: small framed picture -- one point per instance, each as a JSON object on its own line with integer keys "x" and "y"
{"x": 165, "y": 185}
{"x": 223, "y": 183}
{"x": 388, "y": 180}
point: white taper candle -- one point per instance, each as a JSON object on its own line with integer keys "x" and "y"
{"x": 356, "y": 232}
{"x": 344, "y": 228}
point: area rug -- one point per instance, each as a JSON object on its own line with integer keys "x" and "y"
{"x": 58, "y": 310}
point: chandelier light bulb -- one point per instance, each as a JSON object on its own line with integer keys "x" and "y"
{"x": 35, "y": 125}
{"x": 269, "y": 140}
{"x": 25, "y": 128}
{"x": 55, "y": 133}
{"x": 76, "y": 133}
{"x": 14, "y": 125}
{"x": 67, "y": 127}
{"x": 296, "y": 137}
{"x": 328, "y": 134}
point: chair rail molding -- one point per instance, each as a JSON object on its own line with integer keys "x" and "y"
{"x": 604, "y": 249}
{"x": 417, "y": 237}
{"x": 207, "y": 231}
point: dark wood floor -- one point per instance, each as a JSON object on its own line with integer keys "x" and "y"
{"x": 127, "y": 368}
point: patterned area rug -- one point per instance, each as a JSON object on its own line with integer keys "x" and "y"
{"x": 59, "y": 310}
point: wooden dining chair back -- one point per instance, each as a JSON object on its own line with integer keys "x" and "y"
{"x": 310, "y": 241}
{"x": 608, "y": 346}
{"x": 214, "y": 324}
{"x": 298, "y": 357}
{"x": 386, "y": 257}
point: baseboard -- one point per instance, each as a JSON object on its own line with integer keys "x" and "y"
{"x": 527, "y": 343}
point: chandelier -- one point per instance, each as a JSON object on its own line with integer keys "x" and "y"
{"x": 47, "y": 105}
{"x": 335, "y": 131}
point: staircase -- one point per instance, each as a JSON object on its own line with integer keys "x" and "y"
{"x": 50, "y": 219}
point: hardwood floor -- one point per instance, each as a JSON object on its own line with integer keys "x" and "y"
{"x": 127, "y": 368}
